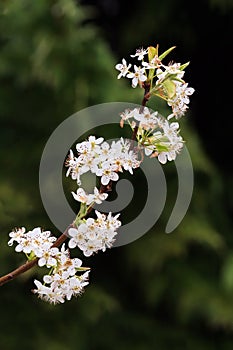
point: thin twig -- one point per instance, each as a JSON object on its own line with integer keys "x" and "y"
{"x": 29, "y": 264}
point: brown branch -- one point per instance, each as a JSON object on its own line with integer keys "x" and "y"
{"x": 146, "y": 96}
{"x": 21, "y": 269}
{"x": 29, "y": 264}
{"x": 63, "y": 237}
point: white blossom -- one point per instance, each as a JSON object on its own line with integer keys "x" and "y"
{"x": 153, "y": 64}
{"x": 16, "y": 235}
{"x": 63, "y": 282}
{"x": 165, "y": 81}
{"x": 107, "y": 173}
{"x": 123, "y": 68}
{"x": 138, "y": 76}
{"x": 181, "y": 99}
{"x": 140, "y": 53}
{"x": 103, "y": 160}
{"x": 96, "y": 234}
{"x": 35, "y": 241}
{"x": 156, "y": 135}
{"x": 48, "y": 257}
{"x": 83, "y": 197}
{"x": 147, "y": 119}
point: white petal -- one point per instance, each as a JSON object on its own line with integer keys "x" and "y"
{"x": 72, "y": 243}
{"x": 114, "y": 176}
{"x": 162, "y": 157}
{"x": 41, "y": 262}
{"x": 105, "y": 180}
{"x": 72, "y": 232}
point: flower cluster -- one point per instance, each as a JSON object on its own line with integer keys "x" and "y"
{"x": 92, "y": 235}
{"x": 155, "y": 134}
{"x": 102, "y": 159}
{"x": 165, "y": 81}
{"x": 35, "y": 243}
{"x": 62, "y": 283}
{"x": 180, "y": 100}
{"x": 62, "y": 279}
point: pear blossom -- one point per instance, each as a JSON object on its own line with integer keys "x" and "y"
{"x": 153, "y": 64}
{"x": 107, "y": 173}
{"x": 92, "y": 144}
{"x": 83, "y": 197}
{"x": 16, "y": 235}
{"x": 147, "y": 119}
{"x": 123, "y": 68}
{"x": 98, "y": 197}
{"x": 138, "y": 76}
{"x": 47, "y": 293}
{"x": 128, "y": 114}
{"x": 164, "y": 71}
{"x": 48, "y": 257}
{"x": 140, "y": 53}
{"x": 70, "y": 162}
{"x": 80, "y": 195}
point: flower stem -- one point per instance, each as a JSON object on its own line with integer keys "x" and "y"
{"x": 146, "y": 98}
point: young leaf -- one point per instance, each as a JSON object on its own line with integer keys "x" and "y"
{"x": 165, "y": 53}
{"x": 152, "y": 52}
{"x": 170, "y": 88}
{"x": 183, "y": 66}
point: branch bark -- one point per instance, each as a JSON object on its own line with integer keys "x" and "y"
{"x": 29, "y": 264}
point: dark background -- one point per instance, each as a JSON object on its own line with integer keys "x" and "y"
{"x": 162, "y": 291}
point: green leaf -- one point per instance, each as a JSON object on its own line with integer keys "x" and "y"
{"x": 152, "y": 52}
{"x": 170, "y": 88}
{"x": 165, "y": 53}
{"x": 183, "y": 66}
{"x": 31, "y": 256}
{"x": 80, "y": 269}
{"x": 162, "y": 148}
{"x": 82, "y": 210}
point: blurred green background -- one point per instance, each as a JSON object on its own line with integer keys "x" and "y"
{"x": 162, "y": 291}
